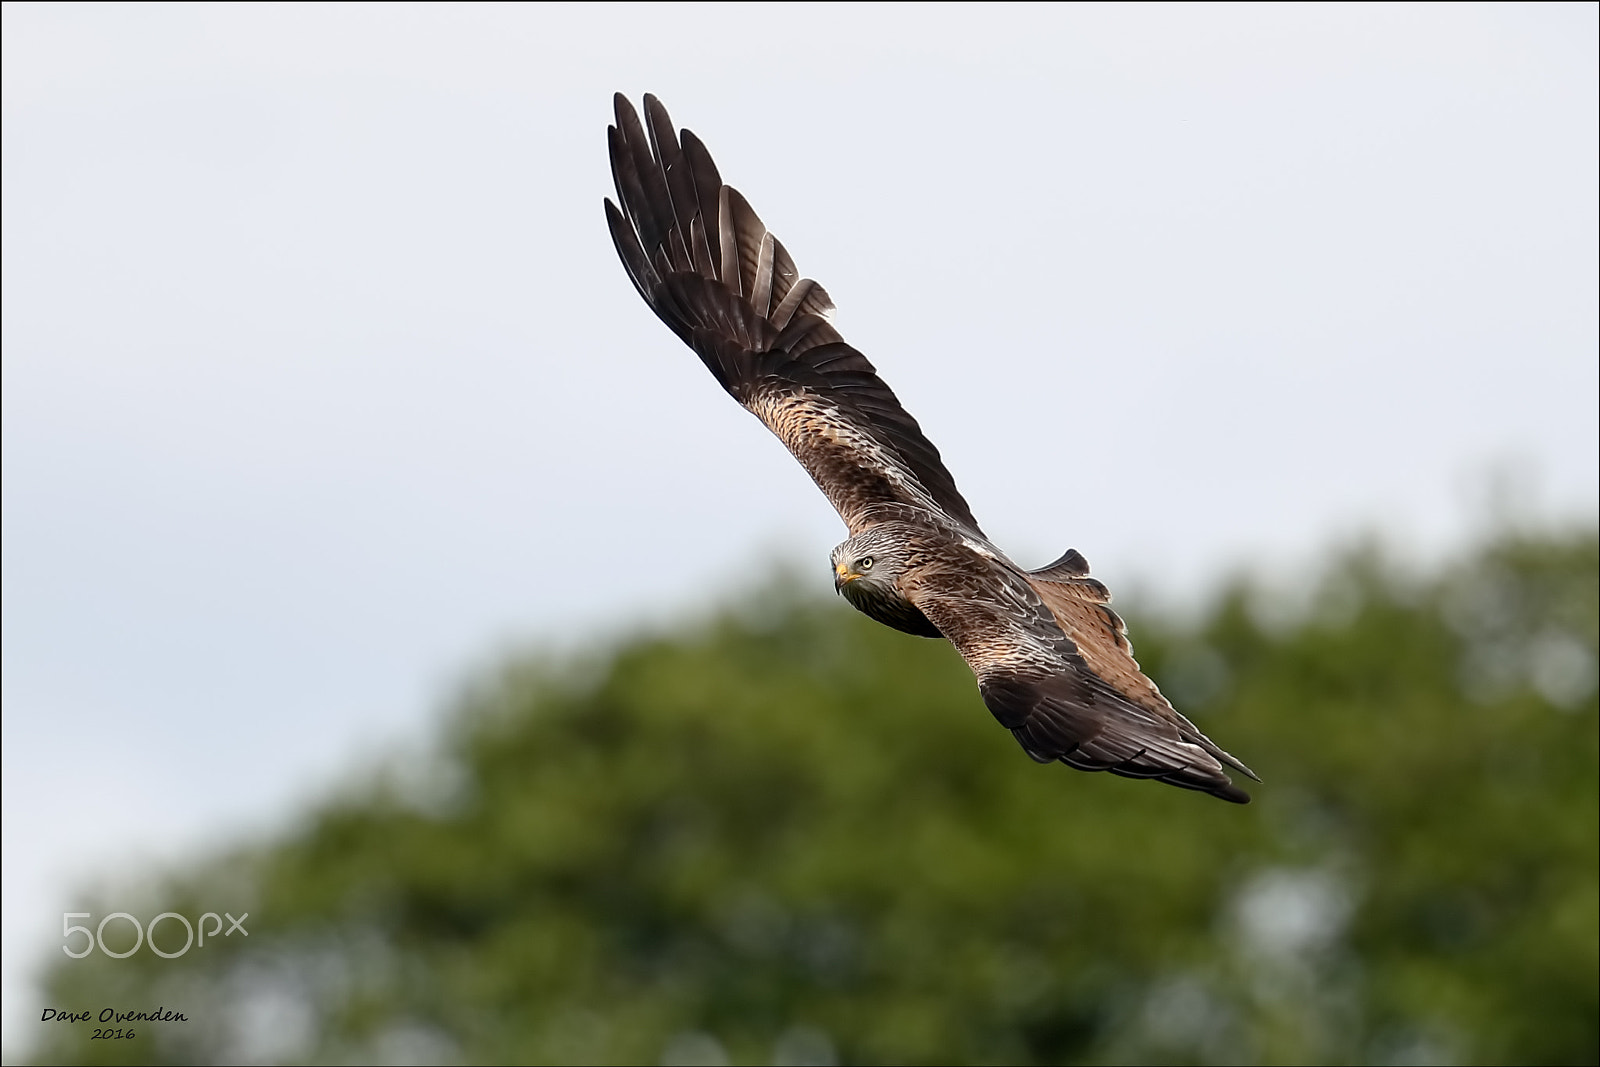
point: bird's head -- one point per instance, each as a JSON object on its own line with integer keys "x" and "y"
{"x": 867, "y": 563}
{"x": 869, "y": 568}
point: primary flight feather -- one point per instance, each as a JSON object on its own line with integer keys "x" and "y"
{"x": 1052, "y": 659}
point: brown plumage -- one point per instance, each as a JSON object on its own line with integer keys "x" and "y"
{"x": 1052, "y": 659}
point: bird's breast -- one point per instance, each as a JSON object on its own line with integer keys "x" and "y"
{"x": 889, "y": 607}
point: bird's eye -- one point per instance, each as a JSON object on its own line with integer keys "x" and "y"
{"x": 865, "y": 564}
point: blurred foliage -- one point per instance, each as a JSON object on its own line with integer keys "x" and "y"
{"x": 794, "y": 836}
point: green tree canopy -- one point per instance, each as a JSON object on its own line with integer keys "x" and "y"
{"x": 795, "y": 836}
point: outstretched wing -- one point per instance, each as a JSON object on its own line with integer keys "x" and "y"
{"x": 1062, "y": 696}
{"x": 710, "y": 270}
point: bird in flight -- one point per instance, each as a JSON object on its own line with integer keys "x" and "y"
{"x": 1053, "y": 661}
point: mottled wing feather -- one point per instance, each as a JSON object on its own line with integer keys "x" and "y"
{"x": 708, "y": 267}
{"x": 1081, "y": 606}
{"x": 1043, "y": 685}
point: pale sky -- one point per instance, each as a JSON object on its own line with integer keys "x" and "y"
{"x": 323, "y": 386}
